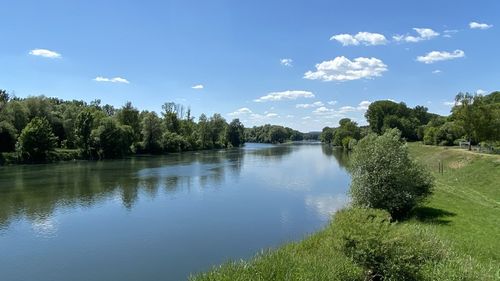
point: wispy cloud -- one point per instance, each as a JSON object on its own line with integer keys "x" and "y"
{"x": 343, "y": 69}
{"x": 111, "y": 80}
{"x": 285, "y": 95}
{"x": 239, "y": 112}
{"x": 286, "y": 62}
{"x": 437, "y": 71}
{"x": 309, "y": 105}
{"x": 423, "y": 34}
{"x": 365, "y": 38}
{"x": 198, "y": 87}
{"x": 477, "y": 25}
{"x": 45, "y": 53}
{"x": 332, "y": 112}
{"x": 435, "y": 56}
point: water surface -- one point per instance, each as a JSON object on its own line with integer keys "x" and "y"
{"x": 164, "y": 217}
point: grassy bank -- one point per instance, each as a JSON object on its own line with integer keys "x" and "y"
{"x": 465, "y": 207}
{"x": 463, "y": 212}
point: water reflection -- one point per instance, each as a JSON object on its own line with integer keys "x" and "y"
{"x": 181, "y": 213}
{"x": 341, "y": 155}
{"x": 35, "y": 192}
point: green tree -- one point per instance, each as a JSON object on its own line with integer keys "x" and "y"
{"x": 278, "y": 134}
{"x": 152, "y": 132}
{"x": 16, "y": 113}
{"x": 217, "y": 130}
{"x": 4, "y": 98}
{"x": 111, "y": 140}
{"x": 129, "y": 115}
{"x": 465, "y": 114}
{"x": 8, "y": 137}
{"x": 172, "y": 142}
{"x": 84, "y": 125}
{"x": 347, "y": 130}
{"x": 327, "y": 135}
{"x": 236, "y": 133}
{"x": 204, "y": 132}
{"x": 37, "y": 140}
{"x": 384, "y": 176}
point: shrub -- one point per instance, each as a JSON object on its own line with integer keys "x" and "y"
{"x": 384, "y": 249}
{"x": 172, "y": 142}
{"x": 384, "y": 176}
{"x": 37, "y": 140}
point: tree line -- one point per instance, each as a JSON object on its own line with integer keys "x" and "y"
{"x": 276, "y": 134}
{"x": 33, "y": 128}
{"x": 474, "y": 118}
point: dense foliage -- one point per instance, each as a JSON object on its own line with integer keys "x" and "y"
{"x": 385, "y": 114}
{"x": 474, "y": 119}
{"x": 37, "y": 140}
{"x": 272, "y": 134}
{"x": 384, "y": 176}
{"x": 344, "y": 135}
{"x": 384, "y": 250}
{"x": 36, "y": 127}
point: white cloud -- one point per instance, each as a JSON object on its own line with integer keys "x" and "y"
{"x": 347, "y": 108}
{"x": 270, "y": 115}
{"x": 343, "y": 69}
{"x": 285, "y": 95}
{"x": 480, "y": 92}
{"x": 239, "y": 112}
{"x": 332, "y": 102}
{"x": 112, "y": 80}
{"x": 423, "y": 34}
{"x": 437, "y": 71}
{"x": 449, "y": 103}
{"x": 477, "y": 25}
{"x": 435, "y": 56}
{"x": 309, "y": 105}
{"x": 306, "y": 118}
{"x": 45, "y": 53}
{"x": 365, "y": 38}
{"x": 330, "y": 113}
{"x": 198, "y": 87}
{"x": 290, "y": 116}
{"x": 286, "y": 62}
{"x": 448, "y": 33}
{"x": 322, "y": 110}
{"x": 364, "y": 105}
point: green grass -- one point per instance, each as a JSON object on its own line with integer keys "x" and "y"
{"x": 463, "y": 212}
{"x": 465, "y": 207}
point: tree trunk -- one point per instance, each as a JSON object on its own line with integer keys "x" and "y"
{"x": 470, "y": 145}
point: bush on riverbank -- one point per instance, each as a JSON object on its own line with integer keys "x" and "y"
{"x": 385, "y": 177}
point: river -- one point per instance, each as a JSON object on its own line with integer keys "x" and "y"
{"x": 163, "y": 217}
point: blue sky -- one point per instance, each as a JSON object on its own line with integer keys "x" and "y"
{"x": 303, "y": 64}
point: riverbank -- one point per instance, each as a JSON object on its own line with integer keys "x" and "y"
{"x": 463, "y": 212}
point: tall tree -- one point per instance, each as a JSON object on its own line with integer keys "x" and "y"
{"x": 236, "y": 133}
{"x": 465, "y": 114}
{"x": 129, "y": 115}
{"x": 152, "y": 131}
{"x": 83, "y": 129}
